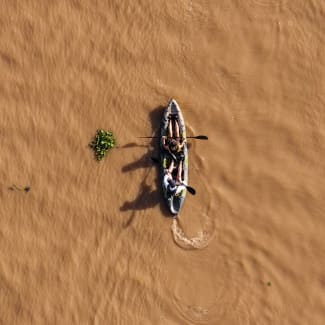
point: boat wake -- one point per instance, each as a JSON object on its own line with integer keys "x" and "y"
{"x": 200, "y": 241}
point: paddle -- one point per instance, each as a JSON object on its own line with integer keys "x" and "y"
{"x": 189, "y": 188}
{"x": 199, "y": 137}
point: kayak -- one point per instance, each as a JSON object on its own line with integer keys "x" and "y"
{"x": 173, "y": 111}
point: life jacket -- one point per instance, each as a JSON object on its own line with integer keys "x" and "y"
{"x": 176, "y": 148}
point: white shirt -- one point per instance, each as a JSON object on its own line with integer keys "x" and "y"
{"x": 166, "y": 178}
{"x": 179, "y": 188}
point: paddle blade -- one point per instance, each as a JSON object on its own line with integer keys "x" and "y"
{"x": 201, "y": 137}
{"x": 191, "y": 190}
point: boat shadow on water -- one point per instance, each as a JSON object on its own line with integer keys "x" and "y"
{"x": 150, "y": 195}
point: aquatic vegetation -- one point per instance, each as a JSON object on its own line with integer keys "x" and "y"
{"x": 102, "y": 143}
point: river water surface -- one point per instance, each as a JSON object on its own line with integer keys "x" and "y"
{"x": 92, "y": 243}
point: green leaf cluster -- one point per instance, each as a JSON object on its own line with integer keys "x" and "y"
{"x": 103, "y": 141}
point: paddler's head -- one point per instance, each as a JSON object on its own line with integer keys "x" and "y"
{"x": 173, "y": 145}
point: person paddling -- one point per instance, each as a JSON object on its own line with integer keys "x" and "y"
{"x": 173, "y": 143}
{"x": 172, "y": 187}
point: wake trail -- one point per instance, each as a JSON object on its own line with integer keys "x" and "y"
{"x": 200, "y": 241}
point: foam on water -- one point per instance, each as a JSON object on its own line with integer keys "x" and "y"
{"x": 202, "y": 239}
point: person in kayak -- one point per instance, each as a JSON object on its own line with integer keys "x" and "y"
{"x": 172, "y": 143}
{"x": 172, "y": 187}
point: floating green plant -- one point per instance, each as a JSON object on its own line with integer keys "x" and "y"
{"x": 103, "y": 141}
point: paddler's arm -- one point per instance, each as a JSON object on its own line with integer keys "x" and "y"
{"x": 180, "y": 188}
{"x": 164, "y": 143}
{"x": 165, "y": 181}
{"x": 181, "y": 145}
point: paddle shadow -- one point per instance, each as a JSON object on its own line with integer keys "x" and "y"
{"x": 131, "y": 145}
{"x": 145, "y": 200}
{"x": 147, "y": 197}
{"x": 152, "y": 144}
{"x": 143, "y": 162}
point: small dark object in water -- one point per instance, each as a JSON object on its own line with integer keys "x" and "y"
{"x": 13, "y": 187}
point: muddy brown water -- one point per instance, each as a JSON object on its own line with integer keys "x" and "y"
{"x": 92, "y": 243}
